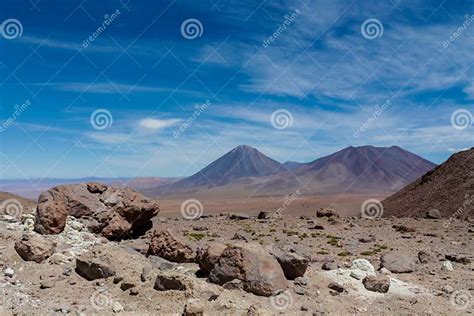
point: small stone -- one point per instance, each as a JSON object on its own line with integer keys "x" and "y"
{"x": 300, "y": 290}
{"x": 58, "y": 258}
{"x": 326, "y": 213}
{"x": 263, "y": 215}
{"x": 238, "y": 216}
{"x": 448, "y": 289}
{"x": 194, "y": 307}
{"x": 379, "y": 284}
{"x": 366, "y": 240}
{"x": 46, "y": 285}
{"x": 301, "y": 281}
{"x": 235, "y": 284}
{"x": 160, "y": 263}
{"x": 336, "y": 287}
{"x": 255, "y": 310}
{"x": 118, "y": 279}
{"x": 358, "y": 274}
{"x": 239, "y": 236}
{"x": 329, "y": 266}
{"x": 146, "y": 271}
{"x": 67, "y": 271}
{"x": 385, "y": 271}
{"x": 424, "y": 257}
{"x": 433, "y": 214}
{"x": 9, "y": 272}
{"x": 447, "y": 266}
{"x": 117, "y": 307}
{"x": 126, "y": 285}
{"x": 169, "y": 282}
{"x": 134, "y": 291}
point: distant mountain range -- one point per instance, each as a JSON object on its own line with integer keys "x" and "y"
{"x": 353, "y": 169}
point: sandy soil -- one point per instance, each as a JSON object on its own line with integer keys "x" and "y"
{"x": 54, "y": 288}
{"x": 345, "y": 204}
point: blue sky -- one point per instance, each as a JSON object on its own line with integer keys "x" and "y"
{"x": 176, "y": 102}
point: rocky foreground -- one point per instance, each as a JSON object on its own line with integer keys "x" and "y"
{"x": 232, "y": 264}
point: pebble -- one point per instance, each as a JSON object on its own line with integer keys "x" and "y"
{"x": 117, "y": 307}
{"x": 9, "y": 272}
{"x": 300, "y": 290}
{"x": 447, "y": 266}
{"x": 301, "y": 281}
{"x": 448, "y": 289}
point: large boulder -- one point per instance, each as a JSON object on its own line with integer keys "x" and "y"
{"x": 293, "y": 265}
{"x": 259, "y": 271}
{"x": 34, "y": 248}
{"x": 398, "y": 262}
{"x": 115, "y": 213}
{"x": 165, "y": 245}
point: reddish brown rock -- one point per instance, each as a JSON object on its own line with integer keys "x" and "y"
{"x": 254, "y": 266}
{"x": 34, "y": 248}
{"x": 379, "y": 283}
{"x": 111, "y": 212}
{"x": 208, "y": 255}
{"x": 165, "y": 245}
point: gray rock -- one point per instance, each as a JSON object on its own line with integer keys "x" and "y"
{"x": 239, "y": 216}
{"x": 300, "y": 290}
{"x": 235, "y": 284}
{"x": 249, "y": 262}
{"x": 447, "y": 266}
{"x": 160, "y": 263}
{"x": 146, "y": 272}
{"x": 9, "y": 272}
{"x": 398, "y": 262}
{"x": 448, "y": 289}
{"x": 93, "y": 267}
{"x": 301, "y": 281}
{"x": 194, "y": 307}
{"x": 293, "y": 265}
{"x": 327, "y": 266}
{"x": 433, "y": 214}
{"x": 169, "y": 282}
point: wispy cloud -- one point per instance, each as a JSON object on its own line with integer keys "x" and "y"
{"x": 156, "y": 124}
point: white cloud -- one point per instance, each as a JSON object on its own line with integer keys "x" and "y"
{"x": 154, "y": 124}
